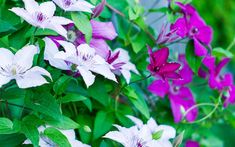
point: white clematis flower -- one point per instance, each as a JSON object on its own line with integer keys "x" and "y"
{"x": 85, "y": 61}
{"x": 42, "y": 16}
{"x": 168, "y": 132}
{"x": 18, "y": 67}
{"x": 46, "y": 142}
{"x": 142, "y": 135}
{"x": 50, "y": 50}
{"x": 120, "y": 61}
{"x": 74, "y": 5}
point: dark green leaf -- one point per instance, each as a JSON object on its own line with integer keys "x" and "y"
{"x": 193, "y": 61}
{"x": 103, "y": 120}
{"x": 72, "y": 97}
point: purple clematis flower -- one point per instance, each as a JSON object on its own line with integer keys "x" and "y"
{"x": 166, "y": 37}
{"x": 193, "y": 26}
{"x": 180, "y": 96}
{"x": 101, "y": 31}
{"x": 191, "y": 143}
{"x": 160, "y": 67}
{"x": 219, "y": 81}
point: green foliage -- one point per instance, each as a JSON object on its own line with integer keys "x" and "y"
{"x": 193, "y": 61}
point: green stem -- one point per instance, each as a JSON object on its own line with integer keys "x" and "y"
{"x": 204, "y": 104}
{"x": 33, "y": 36}
{"x": 231, "y": 45}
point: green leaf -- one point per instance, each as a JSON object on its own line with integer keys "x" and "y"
{"x": 13, "y": 93}
{"x": 11, "y": 140}
{"x": 136, "y": 96}
{"x": 194, "y": 61}
{"x": 6, "y": 125}
{"x": 44, "y": 103}
{"x": 138, "y": 41}
{"x": 220, "y": 53}
{"x": 103, "y": 120}
{"x": 6, "y": 26}
{"x": 98, "y": 92}
{"x": 72, "y": 97}
{"x": 82, "y": 22}
{"x": 64, "y": 123}
{"x": 61, "y": 84}
{"x": 57, "y": 137}
{"x": 157, "y": 135}
{"x": 31, "y": 132}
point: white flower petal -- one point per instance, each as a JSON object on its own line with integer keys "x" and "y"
{"x": 4, "y": 80}
{"x": 81, "y": 5}
{"x": 57, "y": 28}
{"x": 105, "y": 71}
{"x": 6, "y": 57}
{"x": 168, "y": 132}
{"x": 116, "y": 136}
{"x": 76, "y": 143}
{"x": 24, "y": 57}
{"x": 152, "y": 125}
{"x": 138, "y": 122}
{"x": 123, "y": 55}
{"x": 47, "y": 8}
{"x": 50, "y": 50}
{"x": 60, "y": 20}
{"x": 40, "y": 71}
{"x": 126, "y": 74}
{"x": 31, "y": 6}
{"x": 59, "y": 3}
{"x": 85, "y": 49}
{"x": 32, "y": 78}
{"x": 24, "y": 14}
{"x": 68, "y": 47}
{"x": 87, "y": 76}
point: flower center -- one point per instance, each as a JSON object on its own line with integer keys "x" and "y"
{"x": 194, "y": 31}
{"x": 40, "y": 17}
{"x": 67, "y": 3}
{"x": 71, "y": 36}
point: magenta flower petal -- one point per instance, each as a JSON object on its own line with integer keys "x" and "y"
{"x": 191, "y": 143}
{"x": 213, "y": 83}
{"x": 227, "y": 80}
{"x": 186, "y": 76}
{"x": 202, "y": 73}
{"x": 103, "y": 30}
{"x": 159, "y": 57}
{"x": 230, "y": 99}
{"x": 169, "y": 67}
{"x": 183, "y": 98}
{"x": 171, "y": 75}
{"x": 221, "y": 64}
{"x": 209, "y": 62}
{"x": 159, "y": 87}
{"x": 181, "y": 27}
{"x": 200, "y": 50}
{"x": 205, "y": 35}
{"x": 187, "y": 9}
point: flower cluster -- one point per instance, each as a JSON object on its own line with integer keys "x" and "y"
{"x": 72, "y": 69}
{"x": 173, "y": 83}
{"x": 142, "y": 135}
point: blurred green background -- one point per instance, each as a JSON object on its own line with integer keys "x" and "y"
{"x": 220, "y": 14}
